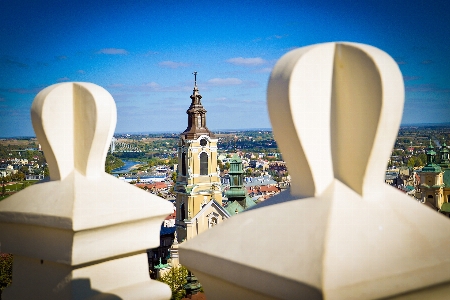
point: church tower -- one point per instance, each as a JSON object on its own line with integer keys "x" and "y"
{"x": 198, "y": 181}
{"x": 237, "y": 190}
{"x": 238, "y": 199}
{"x": 444, "y": 161}
{"x": 431, "y": 181}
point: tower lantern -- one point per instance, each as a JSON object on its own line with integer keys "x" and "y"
{"x": 196, "y": 115}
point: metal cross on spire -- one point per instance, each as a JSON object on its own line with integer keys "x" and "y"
{"x": 195, "y": 78}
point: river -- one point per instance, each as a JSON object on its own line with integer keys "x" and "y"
{"x": 128, "y": 164}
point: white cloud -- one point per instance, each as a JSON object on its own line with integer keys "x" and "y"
{"x": 224, "y": 81}
{"x": 81, "y": 72}
{"x": 113, "y": 51}
{"x": 63, "y": 79}
{"x": 250, "y": 61}
{"x": 153, "y": 85}
{"x": 172, "y": 64}
{"x": 116, "y": 85}
{"x": 222, "y": 99}
{"x": 264, "y": 70}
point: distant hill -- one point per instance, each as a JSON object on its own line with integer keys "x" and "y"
{"x": 444, "y": 124}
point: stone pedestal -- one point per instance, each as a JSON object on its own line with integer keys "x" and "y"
{"x": 83, "y": 234}
{"x": 340, "y": 232}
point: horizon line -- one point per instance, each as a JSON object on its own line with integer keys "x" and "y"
{"x": 445, "y": 124}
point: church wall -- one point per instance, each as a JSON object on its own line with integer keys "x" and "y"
{"x": 433, "y": 195}
{"x": 208, "y": 219}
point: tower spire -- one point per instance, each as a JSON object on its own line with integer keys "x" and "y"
{"x": 195, "y": 78}
{"x": 196, "y": 115}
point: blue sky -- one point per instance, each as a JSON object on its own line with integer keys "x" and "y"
{"x": 144, "y": 53}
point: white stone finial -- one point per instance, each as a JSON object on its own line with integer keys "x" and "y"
{"x": 291, "y": 107}
{"x": 76, "y": 236}
{"x": 335, "y": 109}
{"x": 76, "y": 138}
{"x": 312, "y": 91}
{"x": 175, "y": 240}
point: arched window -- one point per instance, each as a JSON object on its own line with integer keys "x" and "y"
{"x": 183, "y": 214}
{"x": 236, "y": 180}
{"x": 203, "y": 163}
{"x": 212, "y": 222}
{"x": 183, "y": 164}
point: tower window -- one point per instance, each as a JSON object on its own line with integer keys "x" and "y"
{"x": 203, "y": 142}
{"x": 212, "y": 222}
{"x": 203, "y": 163}
{"x": 183, "y": 213}
{"x": 183, "y": 164}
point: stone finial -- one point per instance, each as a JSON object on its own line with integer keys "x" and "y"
{"x": 76, "y": 138}
{"x": 335, "y": 110}
{"x": 76, "y": 236}
{"x": 175, "y": 239}
{"x": 195, "y": 77}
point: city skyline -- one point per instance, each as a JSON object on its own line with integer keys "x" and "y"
{"x": 144, "y": 54}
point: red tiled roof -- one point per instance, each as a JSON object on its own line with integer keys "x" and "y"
{"x": 155, "y": 185}
{"x": 171, "y": 216}
{"x": 198, "y": 296}
{"x": 266, "y": 188}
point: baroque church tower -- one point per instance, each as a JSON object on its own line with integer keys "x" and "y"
{"x": 435, "y": 180}
{"x": 198, "y": 188}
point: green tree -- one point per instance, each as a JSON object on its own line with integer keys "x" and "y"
{"x": 172, "y": 161}
{"x": 411, "y": 162}
{"x": 154, "y": 161}
{"x": 418, "y": 162}
{"x": 174, "y": 176}
{"x": 423, "y": 158}
{"x": 6, "y": 262}
{"x": 112, "y": 162}
{"x": 175, "y": 278}
{"x": 220, "y": 164}
{"x": 19, "y": 176}
{"x": 46, "y": 171}
{"x": 249, "y": 171}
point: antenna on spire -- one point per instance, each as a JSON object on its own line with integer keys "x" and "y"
{"x": 195, "y": 78}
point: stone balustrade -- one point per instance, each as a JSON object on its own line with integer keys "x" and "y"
{"x": 340, "y": 232}
{"x": 83, "y": 234}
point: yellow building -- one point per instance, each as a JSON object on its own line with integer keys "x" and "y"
{"x": 435, "y": 180}
{"x": 198, "y": 187}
